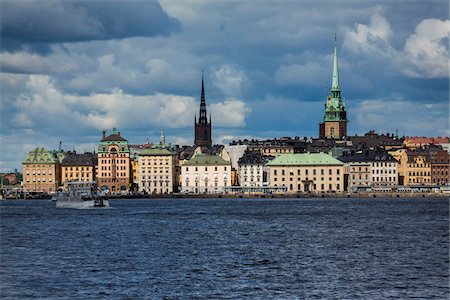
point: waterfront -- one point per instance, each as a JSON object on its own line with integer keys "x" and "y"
{"x": 227, "y": 248}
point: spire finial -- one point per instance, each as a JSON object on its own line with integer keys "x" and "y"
{"x": 162, "y": 139}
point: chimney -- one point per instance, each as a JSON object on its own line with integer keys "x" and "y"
{"x": 104, "y": 133}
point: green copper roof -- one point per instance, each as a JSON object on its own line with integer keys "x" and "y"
{"x": 156, "y": 151}
{"x": 43, "y": 156}
{"x": 304, "y": 159}
{"x": 204, "y": 160}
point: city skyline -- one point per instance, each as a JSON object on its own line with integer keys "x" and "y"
{"x": 270, "y": 79}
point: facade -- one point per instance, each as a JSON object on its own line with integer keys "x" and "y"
{"x": 440, "y": 168}
{"x": 307, "y": 172}
{"x": 78, "y": 167}
{"x": 202, "y": 128}
{"x": 414, "y": 166}
{"x": 251, "y": 170}
{"x": 114, "y": 163}
{"x": 157, "y": 174}
{"x": 384, "y": 170}
{"x": 205, "y": 174}
{"x": 42, "y": 170}
{"x": 334, "y": 123}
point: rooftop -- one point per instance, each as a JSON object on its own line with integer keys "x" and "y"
{"x": 304, "y": 159}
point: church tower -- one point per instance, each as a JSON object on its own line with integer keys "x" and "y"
{"x": 202, "y": 127}
{"x": 334, "y": 123}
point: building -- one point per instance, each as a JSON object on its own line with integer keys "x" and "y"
{"x": 251, "y": 169}
{"x": 334, "y": 123}
{"x": 42, "y": 170}
{"x": 135, "y": 150}
{"x": 420, "y": 141}
{"x": 78, "y": 167}
{"x": 440, "y": 168}
{"x": 370, "y": 169}
{"x": 114, "y": 163}
{"x": 307, "y": 172}
{"x": 202, "y": 127}
{"x": 157, "y": 169}
{"x": 414, "y": 166}
{"x": 205, "y": 174}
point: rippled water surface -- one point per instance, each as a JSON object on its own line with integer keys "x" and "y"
{"x": 227, "y": 249}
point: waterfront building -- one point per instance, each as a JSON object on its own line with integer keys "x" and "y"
{"x": 78, "y": 167}
{"x": 307, "y": 172}
{"x": 334, "y": 123}
{"x": 202, "y": 128}
{"x": 114, "y": 163}
{"x": 440, "y": 168}
{"x": 251, "y": 169}
{"x": 370, "y": 169}
{"x": 135, "y": 150}
{"x": 205, "y": 174}
{"x": 414, "y": 166}
{"x": 157, "y": 169}
{"x": 42, "y": 170}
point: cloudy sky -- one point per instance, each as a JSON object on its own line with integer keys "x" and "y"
{"x": 70, "y": 69}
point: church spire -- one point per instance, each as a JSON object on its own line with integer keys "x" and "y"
{"x": 202, "y": 117}
{"x": 335, "y": 81}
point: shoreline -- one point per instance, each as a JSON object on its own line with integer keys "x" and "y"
{"x": 266, "y": 196}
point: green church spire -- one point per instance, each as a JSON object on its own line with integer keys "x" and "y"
{"x": 335, "y": 81}
{"x": 335, "y": 106}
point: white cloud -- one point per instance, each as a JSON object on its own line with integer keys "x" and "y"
{"x": 371, "y": 37}
{"x": 230, "y": 113}
{"x": 229, "y": 79}
{"x": 410, "y": 118}
{"x": 307, "y": 74}
{"x": 427, "y": 49}
{"x": 44, "y": 105}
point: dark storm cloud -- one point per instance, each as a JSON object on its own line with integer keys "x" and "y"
{"x": 32, "y": 25}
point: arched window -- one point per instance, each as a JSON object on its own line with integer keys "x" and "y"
{"x": 332, "y": 131}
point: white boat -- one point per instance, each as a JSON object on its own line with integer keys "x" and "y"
{"x": 81, "y": 195}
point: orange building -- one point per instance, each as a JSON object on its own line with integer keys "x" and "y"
{"x": 114, "y": 163}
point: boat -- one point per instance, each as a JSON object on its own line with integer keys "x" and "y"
{"x": 80, "y": 195}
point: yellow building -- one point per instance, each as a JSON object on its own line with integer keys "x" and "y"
{"x": 41, "y": 170}
{"x": 78, "y": 167}
{"x": 307, "y": 172}
{"x": 156, "y": 170}
{"x": 414, "y": 166}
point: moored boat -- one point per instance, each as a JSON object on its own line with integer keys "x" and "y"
{"x": 81, "y": 195}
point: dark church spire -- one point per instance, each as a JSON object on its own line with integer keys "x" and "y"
{"x": 203, "y": 127}
{"x": 203, "y": 118}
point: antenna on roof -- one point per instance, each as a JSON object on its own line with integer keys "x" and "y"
{"x": 60, "y": 145}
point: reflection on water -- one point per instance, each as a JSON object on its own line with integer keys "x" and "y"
{"x": 227, "y": 249}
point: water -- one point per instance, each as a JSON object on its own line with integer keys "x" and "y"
{"x": 227, "y": 249}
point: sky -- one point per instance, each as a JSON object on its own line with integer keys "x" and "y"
{"x": 70, "y": 69}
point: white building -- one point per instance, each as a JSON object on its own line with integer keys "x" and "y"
{"x": 205, "y": 174}
{"x": 251, "y": 172}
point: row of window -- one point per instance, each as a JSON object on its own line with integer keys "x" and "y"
{"x": 105, "y": 168}
{"x": 154, "y": 177}
{"x": 118, "y": 174}
{"x": 419, "y": 173}
{"x": 437, "y": 173}
{"x": 38, "y": 179}
{"x": 306, "y": 179}
{"x": 314, "y": 172}
{"x": 38, "y": 172}
{"x": 82, "y": 174}
{"x": 291, "y": 187}
{"x": 418, "y": 180}
{"x": 76, "y": 168}
{"x": 114, "y": 160}
{"x": 205, "y": 168}
{"x": 378, "y": 171}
